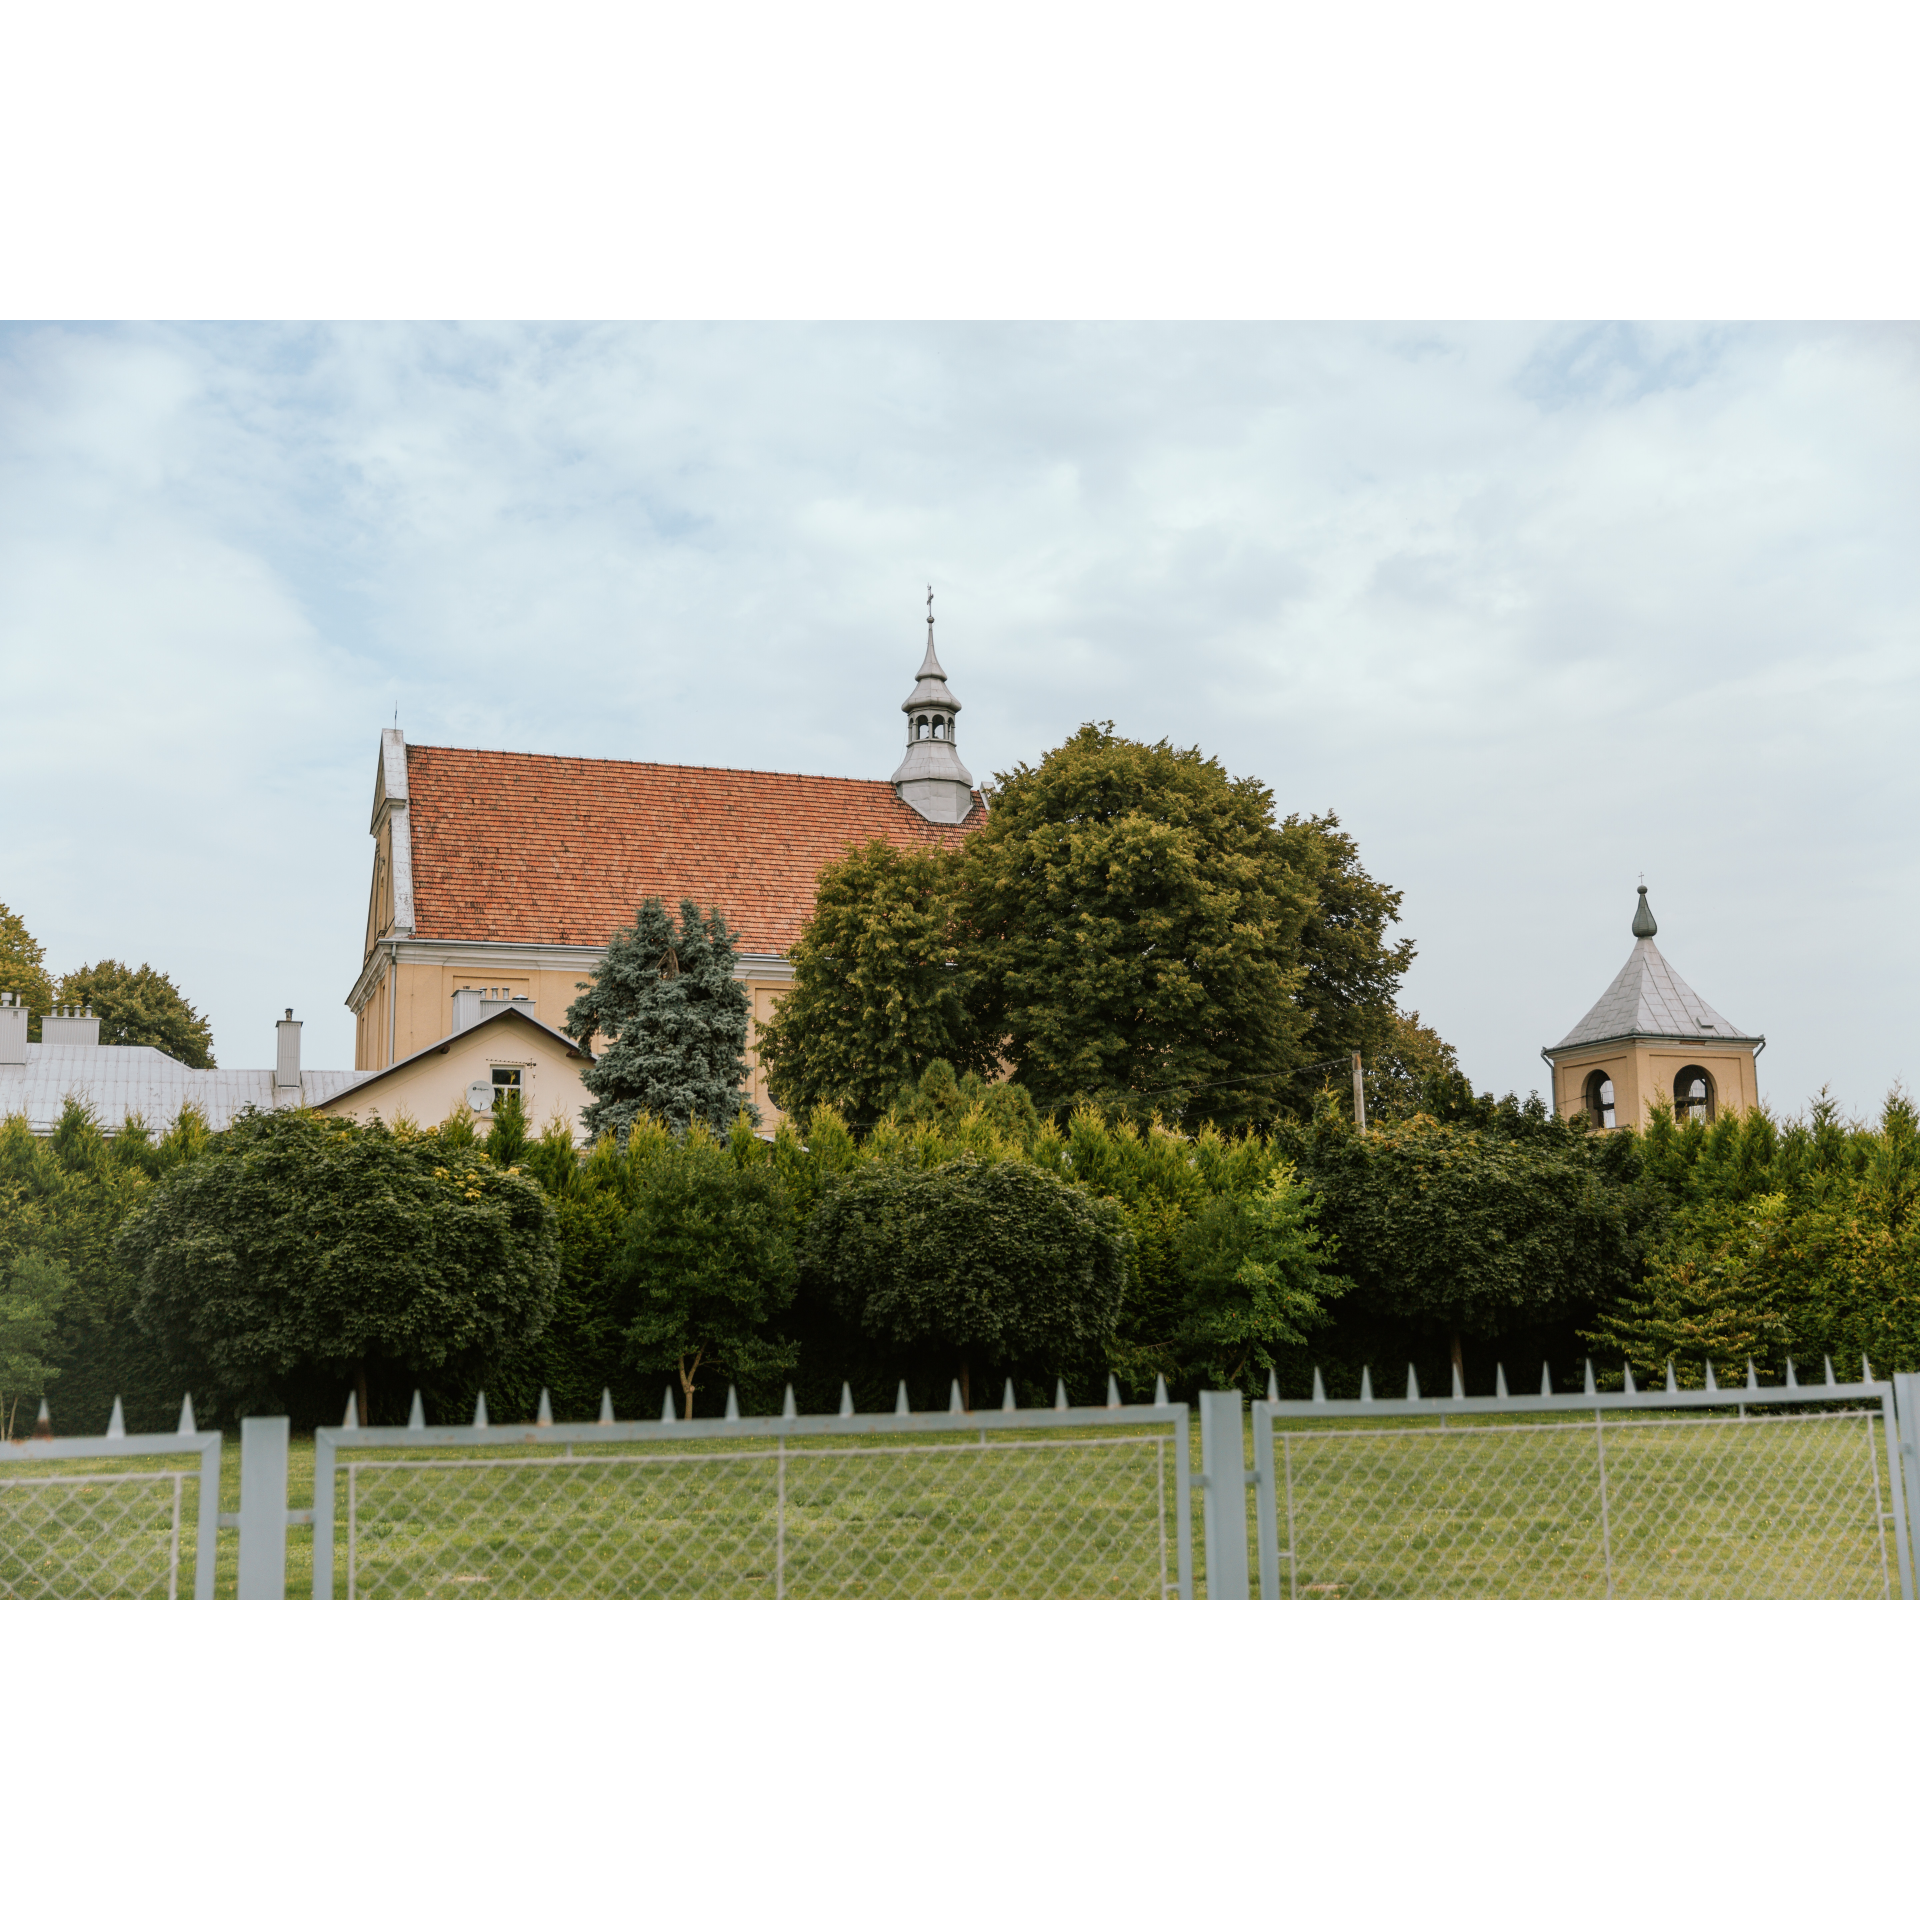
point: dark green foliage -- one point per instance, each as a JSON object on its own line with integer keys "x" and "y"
{"x": 1255, "y": 1281}
{"x": 23, "y": 967}
{"x": 65, "y": 1197}
{"x": 877, "y": 993}
{"x": 140, "y": 1007}
{"x": 996, "y": 1261}
{"x": 707, "y": 1261}
{"x": 30, "y": 1295}
{"x": 1796, "y": 1242}
{"x": 1473, "y": 1231}
{"x": 1352, "y": 972}
{"x": 945, "y": 1100}
{"x": 1134, "y": 922}
{"x": 1409, "y": 1069}
{"x": 303, "y": 1245}
{"x": 674, "y": 1020}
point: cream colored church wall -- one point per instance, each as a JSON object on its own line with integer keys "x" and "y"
{"x": 1644, "y": 1071}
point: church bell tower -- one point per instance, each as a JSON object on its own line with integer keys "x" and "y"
{"x": 1650, "y": 1037}
{"x": 931, "y": 779}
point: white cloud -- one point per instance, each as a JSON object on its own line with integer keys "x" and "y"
{"x": 1533, "y": 608}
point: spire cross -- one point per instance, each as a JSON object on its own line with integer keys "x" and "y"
{"x": 929, "y": 611}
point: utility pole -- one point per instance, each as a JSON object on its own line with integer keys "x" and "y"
{"x": 1359, "y": 1096}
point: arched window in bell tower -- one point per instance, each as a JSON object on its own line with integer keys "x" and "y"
{"x": 1693, "y": 1095}
{"x": 920, "y": 728}
{"x": 1599, "y": 1100}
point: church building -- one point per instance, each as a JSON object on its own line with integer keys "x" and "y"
{"x": 500, "y": 877}
{"x": 1651, "y": 1037}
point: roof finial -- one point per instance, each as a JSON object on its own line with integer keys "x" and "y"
{"x": 1644, "y": 925}
{"x": 929, "y": 612}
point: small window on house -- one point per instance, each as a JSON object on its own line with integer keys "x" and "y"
{"x": 506, "y": 1085}
{"x": 1693, "y": 1094}
{"x": 1599, "y": 1095}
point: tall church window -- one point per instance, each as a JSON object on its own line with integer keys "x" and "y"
{"x": 1693, "y": 1094}
{"x": 1599, "y": 1097}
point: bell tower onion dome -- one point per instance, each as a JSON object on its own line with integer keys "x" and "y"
{"x": 931, "y": 779}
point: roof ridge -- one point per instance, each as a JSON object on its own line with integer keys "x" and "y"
{"x": 663, "y": 766}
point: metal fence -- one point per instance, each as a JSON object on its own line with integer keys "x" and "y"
{"x": 116, "y": 1518}
{"x": 1060, "y": 1503}
{"x": 1737, "y": 1492}
{"x": 1715, "y": 1493}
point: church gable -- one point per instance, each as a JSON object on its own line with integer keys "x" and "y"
{"x": 542, "y": 849}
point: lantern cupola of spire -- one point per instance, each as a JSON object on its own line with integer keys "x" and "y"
{"x": 1649, "y": 1038}
{"x": 931, "y": 779}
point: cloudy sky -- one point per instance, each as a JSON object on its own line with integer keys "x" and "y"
{"x": 1534, "y": 609}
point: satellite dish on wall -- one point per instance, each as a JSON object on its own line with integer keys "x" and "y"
{"x": 480, "y": 1096}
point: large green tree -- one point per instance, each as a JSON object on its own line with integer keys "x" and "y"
{"x": 1478, "y": 1232}
{"x": 998, "y": 1261}
{"x": 140, "y": 1007}
{"x": 23, "y": 966}
{"x": 301, "y": 1243}
{"x": 1256, "y": 1281}
{"x": 1353, "y": 970}
{"x": 878, "y": 991}
{"x": 674, "y": 1020}
{"x": 1135, "y": 921}
{"x": 707, "y": 1263}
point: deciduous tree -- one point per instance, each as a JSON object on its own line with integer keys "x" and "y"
{"x": 1134, "y": 921}
{"x": 140, "y": 1007}
{"x": 878, "y": 991}
{"x": 708, "y": 1262}
{"x": 23, "y": 966}
{"x": 1255, "y": 1279}
{"x": 302, "y": 1242}
{"x": 1000, "y": 1262}
{"x": 30, "y": 1296}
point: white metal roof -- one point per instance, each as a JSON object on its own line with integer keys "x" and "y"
{"x": 1649, "y": 999}
{"x": 115, "y": 1082}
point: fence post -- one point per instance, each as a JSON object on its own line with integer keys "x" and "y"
{"x": 1266, "y": 1506}
{"x": 1223, "y": 1464}
{"x": 1906, "y": 1419}
{"x": 263, "y": 1508}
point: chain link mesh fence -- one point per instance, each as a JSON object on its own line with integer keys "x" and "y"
{"x": 120, "y": 1533}
{"x": 1717, "y": 1504}
{"x": 1074, "y": 1512}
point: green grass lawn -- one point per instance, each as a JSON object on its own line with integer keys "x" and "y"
{"x": 1393, "y": 1508}
{"x": 1647, "y": 1506}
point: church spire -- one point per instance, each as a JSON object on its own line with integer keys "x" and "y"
{"x": 1644, "y": 924}
{"x": 931, "y": 779}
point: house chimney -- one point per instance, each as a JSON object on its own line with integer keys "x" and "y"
{"x": 14, "y": 1013}
{"x": 286, "y": 1057}
{"x": 471, "y": 1005}
{"x": 70, "y": 1027}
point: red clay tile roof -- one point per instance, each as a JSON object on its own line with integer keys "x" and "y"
{"x": 532, "y": 847}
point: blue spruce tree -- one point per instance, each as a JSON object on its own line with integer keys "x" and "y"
{"x": 674, "y": 1021}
